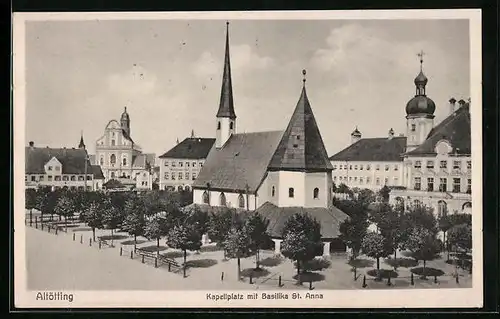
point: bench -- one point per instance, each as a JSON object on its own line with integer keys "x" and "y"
{"x": 157, "y": 257}
{"x": 169, "y": 261}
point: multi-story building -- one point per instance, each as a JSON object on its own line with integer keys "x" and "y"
{"x": 370, "y": 162}
{"x": 66, "y": 168}
{"x": 121, "y": 158}
{"x": 180, "y": 166}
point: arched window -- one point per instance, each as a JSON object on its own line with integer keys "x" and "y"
{"x": 273, "y": 191}
{"x": 73, "y": 178}
{"x": 179, "y": 188}
{"x": 205, "y": 198}
{"x": 316, "y": 193}
{"x": 222, "y": 199}
{"x": 241, "y": 201}
{"x": 112, "y": 159}
{"x": 466, "y": 207}
{"x": 416, "y": 203}
{"x": 187, "y": 188}
{"x": 231, "y": 125}
{"x": 124, "y": 161}
{"x": 101, "y": 161}
{"x": 442, "y": 208}
{"x": 218, "y": 125}
{"x": 291, "y": 192}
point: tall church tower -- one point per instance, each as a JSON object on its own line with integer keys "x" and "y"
{"x": 419, "y": 112}
{"x": 226, "y": 118}
{"x": 125, "y": 122}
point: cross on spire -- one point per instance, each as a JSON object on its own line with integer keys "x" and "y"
{"x": 421, "y": 56}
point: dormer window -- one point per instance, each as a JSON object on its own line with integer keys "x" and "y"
{"x": 49, "y": 168}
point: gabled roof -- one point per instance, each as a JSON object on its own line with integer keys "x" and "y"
{"x": 96, "y": 170}
{"x": 301, "y": 147}
{"x": 191, "y": 148}
{"x": 141, "y": 160}
{"x": 242, "y": 160}
{"x": 329, "y": 218}
{"x": 455, "y": 129}
{"x": 226, "y": 105}
{"x": 380, "y": 149}
{"x": 72, "y": 160}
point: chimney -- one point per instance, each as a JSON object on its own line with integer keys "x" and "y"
{"x": 452, "y": 105}
{"x": 461, "y": 103}
{"x": 391, "y": 133}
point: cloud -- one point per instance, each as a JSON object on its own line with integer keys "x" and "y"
{"x": 243, "y": 60}
{"x": 134, "y": 82}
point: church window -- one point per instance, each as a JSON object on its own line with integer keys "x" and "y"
{"x": 442, "y": 208}
{"x": 113, "y": 142}
{"x": 166, "y": 175}
{"x": 205, "y": 197}
{"x": 101, "y": 160}
{"x": 241, "y": 201}
{"x": 417, "y": 183}
{"x": 368, "y": 167}
{"x": 231, "y": 125}
{"x": 456, "y": 165}
{"x": 442, "y": 184}
{"x": 291, "y": 192}
{"x": 124, "y": 161}
{"x": 180, "y": 175}
{"x": 430, "y": 164}
{"x": 430, "y": 184}
{"x": 218, "y": 125}
{"x": 386, "y": 167}
{"x": 377, "y": 167}
{"x": 418, "y": 164}
{"x": 112, "y": 159}
{"x": 273, "y": 191}
{"x": 222, "y": 199}
{"x": 413, "y": 127}
{"x": 456, "y": 185}
{"x": 468, "y": 186}
{"x": 316, "y": 193}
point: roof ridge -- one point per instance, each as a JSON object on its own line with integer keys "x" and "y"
{"x": 449, "y": 119}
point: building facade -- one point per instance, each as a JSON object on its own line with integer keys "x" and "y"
{"x": 180, "y": 166}
{"x": 121, "y": 158}
{"x": 61, "y": 168}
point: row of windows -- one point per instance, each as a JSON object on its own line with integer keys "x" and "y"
{"x": 50, "y": 178}
{"x": 362, "y": 180}
{"x": 56, "y": 168}
{"x": 442, "y": 164}
{"x": 80, "y": 188}
{"x": 442, "y": 207}
{"x": 112, "y": 160}
{"x": 443, "y": 184}
{"x": 180, "y": 176}
{"x": 182, "y": 164}
{"x": 361, "y": 167}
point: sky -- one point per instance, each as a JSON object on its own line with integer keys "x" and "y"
{"x": 81, "y": 74}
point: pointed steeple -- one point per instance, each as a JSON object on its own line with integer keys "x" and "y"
{"x": 82, "y": 144}
{"x": 301, "y": 148}
{"x": 226, "y": 106}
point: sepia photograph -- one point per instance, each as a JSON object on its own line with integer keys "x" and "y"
{"x": 224, "y": 159}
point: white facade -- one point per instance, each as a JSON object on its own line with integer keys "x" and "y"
{"x": 179, "y": 173}
{"x": 225, "y": 128}
{"x": 368, "y": 174}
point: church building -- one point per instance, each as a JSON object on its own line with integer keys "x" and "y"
{"x": 276, "y": 173}
{"x": 121, "y": 158}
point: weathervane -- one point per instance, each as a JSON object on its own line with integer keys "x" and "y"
{"x": 421, "y": 56}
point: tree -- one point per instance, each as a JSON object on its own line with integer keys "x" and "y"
{"x": 366, "y": 196}
{"x": 46, "y": 201}
{"x": 334, "y": 187}
{"x": 257, "y": 230}
{"x": 444, "y": 225}
{"x": 237, "y": 244}
{"x": 301, "y": 238}
{"x": 423, "y": 245}
{"x": 391, "y": 223}
{"x": 460, "y": 237}
{"x": 344, "y": 189}
{"x": 353, "y": 229}
{"x": 219, "y": 225}
{"x": 65, "y": 207}
{"x": 195, "y": 216}
{"x": 422, "y": 216}
{"x": 384, "y": 193}
{"x": 460, "y": 219}
{"x": 30, "y": 195}
{"x": 93, "y": 217}
{"x": 154, "y": 228}
{"x": 134, "y": 222}
{"x": 375, "y": 245}
{"x": 111, "y": 218}
{"x": 184, "y": 237}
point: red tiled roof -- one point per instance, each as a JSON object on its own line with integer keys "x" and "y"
{"x": 329, "y": 218}
{"x": 373, "y": 149}
{"x": 301, "y": 147}
{"x": 242, "y": 160}
{"x": 455, "y": 129}
{"x": 191, "y": 148}
{"x": 72, "y": 160}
